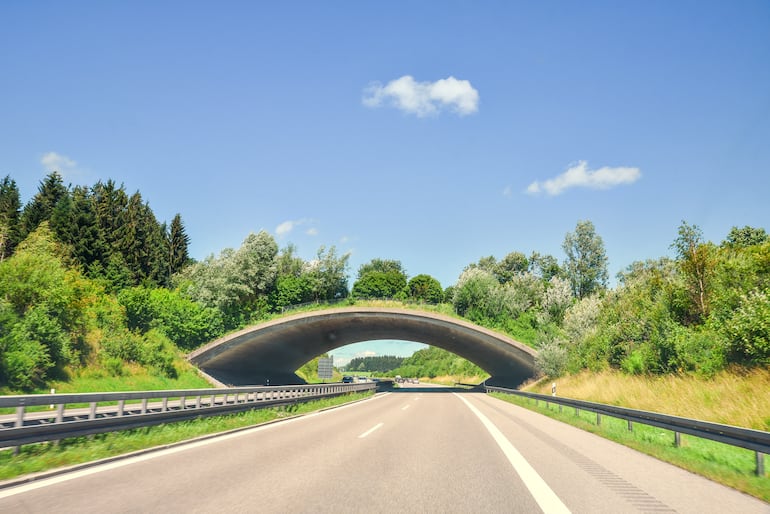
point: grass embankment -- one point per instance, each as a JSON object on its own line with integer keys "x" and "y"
{"x": 36, "y": 458}
{"x": 737, "y": 398}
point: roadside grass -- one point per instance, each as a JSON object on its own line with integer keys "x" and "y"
{"x": 728, "y": 465}
{"x": 140, "y": 381}
{"x": 736, "y": 396}
{"x": 136, "y": 378}
{"x": 35, "y": 458}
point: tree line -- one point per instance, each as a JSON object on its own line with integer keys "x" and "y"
{"x": 90, "y": 278}
{"x": 373, "y": 363}
{"x": 112, "y": 236}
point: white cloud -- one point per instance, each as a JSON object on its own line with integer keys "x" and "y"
{"x": 285, "y": 227}
{"x": 507, "y": 191}
{"x": 53, "y": 161}
{"x": 580, "y": 176}
{"x": 424, "y": 98}
{"x": 66, "y": 166}
{"x": 289, "y": 225}
{"x": 366, "y": 353}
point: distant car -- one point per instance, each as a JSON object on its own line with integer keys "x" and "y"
{"x": 347, "y": 380}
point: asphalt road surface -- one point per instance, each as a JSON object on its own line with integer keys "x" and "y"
{"x": 421, "y": 450}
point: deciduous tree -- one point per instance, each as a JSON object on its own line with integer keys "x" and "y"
{"x": 586, "y": 263}
{"x": 426, "y": 289}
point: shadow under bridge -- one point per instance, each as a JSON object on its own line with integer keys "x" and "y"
{"x": 274, "y": 350}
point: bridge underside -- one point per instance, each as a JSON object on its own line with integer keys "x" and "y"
{"x": 271, "y": 352}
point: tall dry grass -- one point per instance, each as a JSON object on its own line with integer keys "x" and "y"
{"x": 735, "y": 397}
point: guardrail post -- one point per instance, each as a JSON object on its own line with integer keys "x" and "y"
{"x": 598, "y": 419}
{"x": 19, "y": 423}
{"x": 164, "y": 405}
{"x": 760, "y": 464}
{"x": 20, "y": 416}
{"x": 630, "y": 426}
{"x": 677, "y": 439}
{"x": 59, "y": 419}
{"x": 92, "y": 415}
{"x": 121, "y": 406}
{"x": 198, "y": 402}
{"x": 183, "y": 402}
{"x": 144, "y": 406}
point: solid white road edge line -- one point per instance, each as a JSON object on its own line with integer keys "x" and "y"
{"x": 375, "y": 427}
{"x": 543, "y": 495}
{"x": 161, "y": 453}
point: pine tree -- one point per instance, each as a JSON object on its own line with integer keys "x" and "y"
{"x": 10, "y": 211}
{"x": 42, "y": 205}
{"x": 178, "y": 241}
{"x": 109, "y": 206}
{"x": 74, "y": 223}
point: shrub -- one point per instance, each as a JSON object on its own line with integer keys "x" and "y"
{"x": 158, "y": 353}
{"x": 702, "y": 351}
{"x": 25, "y": 363}
{"x": 748, "y": 330}
{"x": 635, "y": 363}
{"x": 123, "y": 345}
{"x": 551, "y": 359}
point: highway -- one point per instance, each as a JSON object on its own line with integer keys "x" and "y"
{"x": 417, "y": 450}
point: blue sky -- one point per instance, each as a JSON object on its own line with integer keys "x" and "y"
{"x": 434, "y": 133}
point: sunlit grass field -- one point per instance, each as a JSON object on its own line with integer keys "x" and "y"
{"x": 736, "y": 397}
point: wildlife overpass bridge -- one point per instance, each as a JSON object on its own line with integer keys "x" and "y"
{"x": 271, "y": 352}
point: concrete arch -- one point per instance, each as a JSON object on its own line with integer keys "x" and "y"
{"x": 274, "y": 350}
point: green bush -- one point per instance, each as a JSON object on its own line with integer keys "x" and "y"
{"x": 748, "y": 330}
{"x": 635, "y": 363}
{"x": 123, "y": 345}
{"x": 114, "y": 366}
{"x": 25, "y": 363}
{"x": 551, "y": 359}
{"x": 187, "y": 323}
{"x": 158, "y": 353}
{"x": 701, "y": 351}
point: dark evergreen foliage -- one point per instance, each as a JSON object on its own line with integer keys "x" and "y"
{"x": 10, "y": 212}
{"x": 111, "y": 236}
{"x": 42, "y": 205}
{"x": 374, "y": 364}
{"x": 178, "y": 242}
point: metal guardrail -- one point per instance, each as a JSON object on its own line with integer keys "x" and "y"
{"x": 756, "y": 440}
{"x": 109, "y": 412}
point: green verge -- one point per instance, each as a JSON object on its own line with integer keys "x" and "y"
{"x": 729, "y": 465}
{"x": 35, "y": 458}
